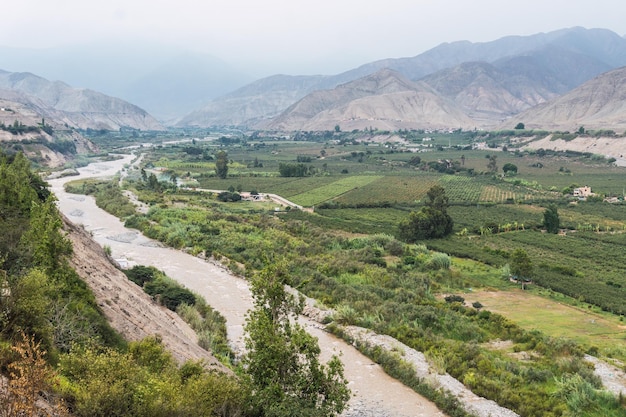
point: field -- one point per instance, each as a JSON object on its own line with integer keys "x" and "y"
{"x": 335, "y": 189}
{"x": 560, "y": 319}
{"x": 346, "y": 254}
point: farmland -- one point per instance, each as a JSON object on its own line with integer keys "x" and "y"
{"x": 346, "y": 254}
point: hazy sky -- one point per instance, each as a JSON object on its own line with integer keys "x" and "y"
{"x": 297, "y": 36}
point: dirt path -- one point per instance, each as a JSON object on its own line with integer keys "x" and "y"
{"x": 374, "y": 392}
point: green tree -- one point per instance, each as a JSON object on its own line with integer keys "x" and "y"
{"x": 492, "y": 165}
{"x": 521, "y": 266}
{"x": 520, "y": 126}
{"x": 551, "y": 220}
{"x": 509, "y": 168}
{"x": 432, "y": 221}
{"x": 285, "y": 375}
{"x": 221, "y": 164}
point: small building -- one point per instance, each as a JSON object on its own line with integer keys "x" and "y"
{"x": 582, "y": 191}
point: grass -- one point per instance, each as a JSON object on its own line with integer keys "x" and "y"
{"x": 554, "y": 316}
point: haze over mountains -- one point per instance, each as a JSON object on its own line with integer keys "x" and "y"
{"x": 488, "y": 83}
{"x": 454, "y": 85}
{"x": 165, "y": 81}
{"x": 79, "y": 108}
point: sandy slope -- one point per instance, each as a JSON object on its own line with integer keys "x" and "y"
{"x": 609, "y": 147}
{"x": 128, "y": 309}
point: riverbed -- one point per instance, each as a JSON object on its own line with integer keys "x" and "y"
{"x": 374, "y": 392}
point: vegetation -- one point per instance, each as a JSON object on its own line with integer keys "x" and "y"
{"x": 432, "y": 221}
{"x": 551, "y": 220}
{"x": 282, "y": 359}
{"x": 221, "y": 164}
{"x": 348, "y": 256}
{"x": 55, "y": 343}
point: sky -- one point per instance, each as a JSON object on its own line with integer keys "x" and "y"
{"x": 297, "y": 36}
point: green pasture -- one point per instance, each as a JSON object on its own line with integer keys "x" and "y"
{"x": 336, "y": 188}
{"x": 553, "y": 314}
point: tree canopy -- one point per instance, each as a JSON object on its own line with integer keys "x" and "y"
{"x": 282, "y": 362}
{"x": 432, "y": 221}
{"x": 221, "y": 164}
{"x": 551, "y": 220}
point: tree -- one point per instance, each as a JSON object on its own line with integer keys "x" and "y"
{"x": 432, "y": 221}
{"x": 221, "y": 164}
{"x": 521, "y": 266}
{"x": 492, "y": 165}
{"x": 282, "y": 362}
{"x": 509, "y": 168}
{"x": 520, "y": 126}
{"x": 551, "y": 220}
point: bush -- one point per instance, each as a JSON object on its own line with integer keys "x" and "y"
{"x": 439, "y": 261}
{"x": 454, "y": 299}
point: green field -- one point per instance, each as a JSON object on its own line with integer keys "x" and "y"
{"x": 335, "y": 189}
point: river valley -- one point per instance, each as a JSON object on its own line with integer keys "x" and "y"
{"x": 374, "y": 392}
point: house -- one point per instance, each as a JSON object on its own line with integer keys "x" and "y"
{"x": 582, "y": 191}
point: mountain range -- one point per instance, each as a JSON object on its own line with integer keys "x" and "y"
{"x": 539, "y": 80}
{"x": 166, "y": 81}
{"x": 459, "y": 84}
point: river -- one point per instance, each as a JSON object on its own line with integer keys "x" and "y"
{"x": 374, "y": 392}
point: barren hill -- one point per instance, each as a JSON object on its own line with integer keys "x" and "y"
{"x": 80, "y": 108}
{"x": 486, "y": 93}
{"x": 597, "y": 104}
{"x": 384, "y": 100}
{"x": 39, "y": 145}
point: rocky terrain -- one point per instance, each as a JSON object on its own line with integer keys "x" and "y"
{"x": 385, "y": 100}
{"x": 38, "y": 145}
{"x": 597, "y": 104}
{"x": 73, "y": 107}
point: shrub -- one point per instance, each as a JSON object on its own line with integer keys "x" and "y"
{"x": 454, "y": 299}
{"x": 439, "y": 261}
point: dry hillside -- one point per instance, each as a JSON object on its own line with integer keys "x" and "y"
{"x": 128, "y": 309}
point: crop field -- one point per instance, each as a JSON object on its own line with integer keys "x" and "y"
{"x": 392, "y": 188}
{"x": 326, "y": 192}
{"x": 362, "y": 220}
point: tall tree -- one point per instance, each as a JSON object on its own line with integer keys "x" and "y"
{"x": 282, "y": 364}
{"x": 492, "y": 165}
{"x": 221, "y": 164}
{"x": 551, "y": 220}
{"x": 432, "y": 221}
{"x": 521, "y": 265}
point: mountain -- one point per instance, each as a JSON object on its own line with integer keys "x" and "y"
{"x": 384, "y": 100}
{"x": 252, "y": 103}
{"x": 527, "y": 69}
{"x": 165, "y": 80}
{"x": 182, "y": 84}
{"x": 75, "y": 107}
{"x": 597, "y": 104}
{"x": 52, "y": 146}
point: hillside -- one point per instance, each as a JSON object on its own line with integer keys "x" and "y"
{"x": 531, "y": 70}
{"x": 127, "y": 307}
{"x": 51, "y": 147}
{"x": 254, "y": 102}
{"x": 597, "y": 104}
{"x": 384, "y": 100}
{"x": 74, "y": 107}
